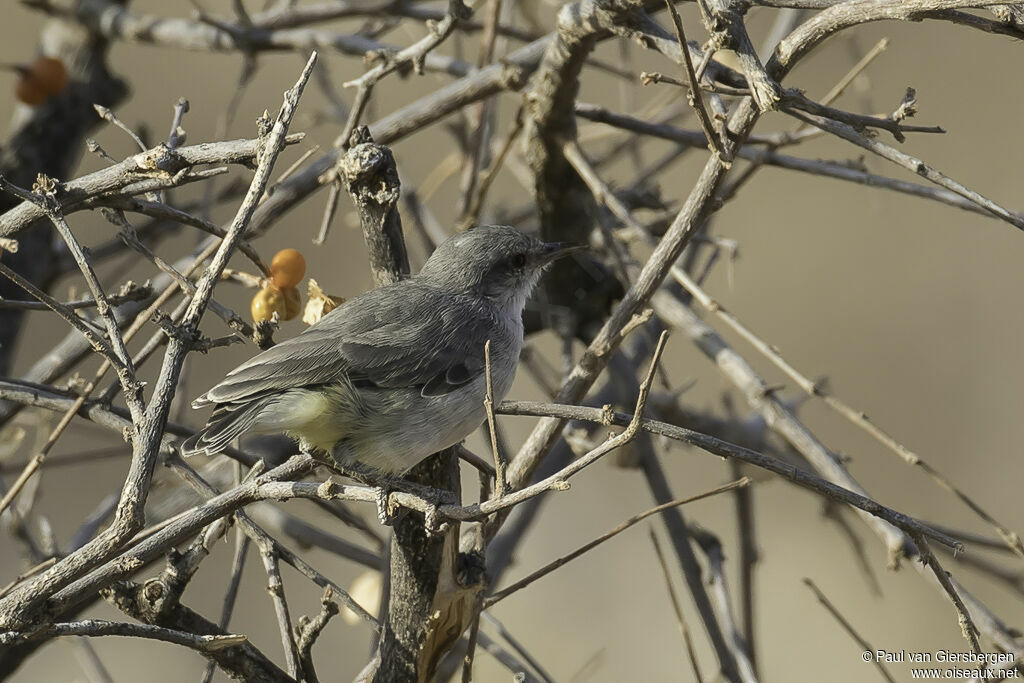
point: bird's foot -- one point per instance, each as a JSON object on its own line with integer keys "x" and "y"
{"x": 386, "y": 514}
{"x": 385, "y": 485}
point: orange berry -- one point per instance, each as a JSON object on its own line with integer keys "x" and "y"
{"x": 50, "y": 74}
{"x": 28, "y": 91}
{"x": 288, "y": 268}
{"x": 267, "y": 302}
{"x": 43, "y": 78}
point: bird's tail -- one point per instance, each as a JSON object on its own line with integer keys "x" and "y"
{"x": 227, "y": 423}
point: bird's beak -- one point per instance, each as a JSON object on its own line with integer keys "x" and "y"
{"x": 555, "y": 250}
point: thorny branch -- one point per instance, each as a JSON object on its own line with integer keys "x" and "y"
{"x": 570, "y": 198}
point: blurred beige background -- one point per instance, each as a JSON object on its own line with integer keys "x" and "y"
{"x": 911, "y": 308}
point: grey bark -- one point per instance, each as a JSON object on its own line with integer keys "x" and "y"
{"x": 416, "y": 558}
{"x": 371, "y": 177}
{"x": 242, "y": 662}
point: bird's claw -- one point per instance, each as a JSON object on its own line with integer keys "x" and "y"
{"x": 385, "y": 512}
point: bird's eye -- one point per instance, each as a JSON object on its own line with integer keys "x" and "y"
{"x": 517, "y": 261}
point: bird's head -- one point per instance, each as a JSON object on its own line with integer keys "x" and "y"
{"x": 493, "y": 261}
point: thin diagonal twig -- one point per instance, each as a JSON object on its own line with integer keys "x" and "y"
{"x": 677, "y": 608}
{"x": 694, "y": 95}
{"x": 857, "y": 417}
{"x": 498, "y": 596}
{"x": 848, "y": 627}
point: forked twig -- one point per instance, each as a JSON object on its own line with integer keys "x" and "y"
{"x": 694, "y": 95}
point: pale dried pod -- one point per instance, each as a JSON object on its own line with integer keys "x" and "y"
{"x": 318, "y": 303}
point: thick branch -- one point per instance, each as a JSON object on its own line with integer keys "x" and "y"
{"x": 371, "y": 176}
{"x": 160, "y": 164}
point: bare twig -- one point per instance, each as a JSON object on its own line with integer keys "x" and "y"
{"x": 231, "y": 595}
{"x": 415, "y": 54}
{"x": 677, "y": 608}
{"x": 110, "y": 117}
{"x": 275, "y": 587}
{"x": 857, "y": 417}
{"x": 694, "y": 95}
{"x": 837, "y": 170}
{"x": 99, "y": 627}
{"x": 848, "y": 627}
{"x": 149, "y": 430}
{"x": 498, "y": 596}
{"x": 967, "y": 627}
{"x": 500, "y": 464}
{"x": 712, "y": 548}
{"x": 912, "y": 164}
{"x": 131, "y": 293}
{"x": 727, "y": 450}
{"x": 310, "y": 629}
{"x": 155, "y": 168}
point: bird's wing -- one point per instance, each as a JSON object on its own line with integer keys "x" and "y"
{"x": 395, "y": 336}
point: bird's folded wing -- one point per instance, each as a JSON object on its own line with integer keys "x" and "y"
{"x": 399, "y": 336}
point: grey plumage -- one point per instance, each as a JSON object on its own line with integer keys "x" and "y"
{"x": 396, "y": 373}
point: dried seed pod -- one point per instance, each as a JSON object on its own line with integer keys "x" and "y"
{"x": 318, "y": 304}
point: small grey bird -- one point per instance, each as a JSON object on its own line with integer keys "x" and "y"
{"x": 397, "y": 373}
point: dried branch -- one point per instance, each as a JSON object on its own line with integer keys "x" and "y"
{"x": 110, "y": 117}
{"x": 88, "y": 329}
{"x": 857, "y": 417}
{"x": 473, "y": 512}
{"x": 148, "y": 432}
{"x": 731, "y": 659}
{"x": 778, "y": 416}
{"x": 98, "y": 627}
{"x": 115, "y": 22}
{"x": 156, "y": 168}
{"x": 275, "y": 587}
{"x": 371, "y": 177}
{"x": 694, "y": 96}
{"x": 912, "y": 164}
{"x": 712, "y": 548}
{"x": 498, "y": 596}
{"x": 677, "y": 608}
{"x": 231, "y": 594}
{"x": 837, "y": 170}
{"x": 242, "y": 661}
{"x": 724, "y": 21}
{"x": 169, "y": 213}
{"x": 861, "y": 643}
{"x": 415, "y": 54}
{"x": 727, "y": 450}
{"x": 310, "y": 629}
{"x": 268, "y": 544}
{"x": 500, "y": 463}
{"x": 132, "y": 292}
{"x": 749, "y": 555}
{"x": 433, "y": 594}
